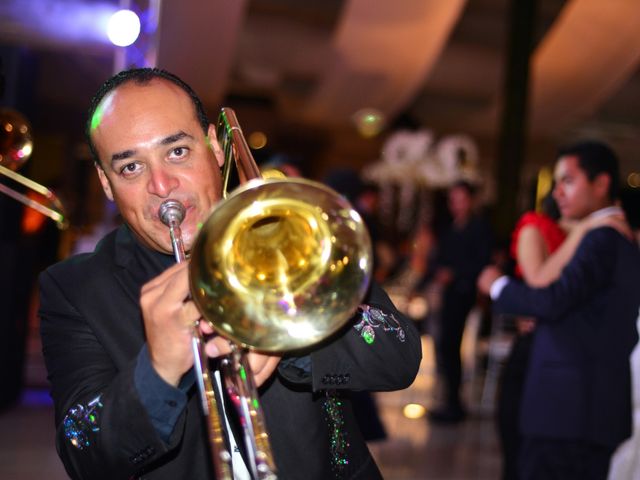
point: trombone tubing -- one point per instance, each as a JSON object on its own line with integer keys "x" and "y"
{"x": 55, "y": 215}
{"x": 220, "y": 455}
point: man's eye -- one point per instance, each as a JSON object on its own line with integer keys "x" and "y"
{"x": 129, "y": 169}
{"x": 178, "y": 152}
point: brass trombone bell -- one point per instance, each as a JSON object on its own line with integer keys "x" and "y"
{"x": 280, "y": 264}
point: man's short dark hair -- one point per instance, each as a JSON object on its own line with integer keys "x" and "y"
{"x": 465, "y": 185}
{"x": 140, "y": 76}
{"x": 595, "y": 158}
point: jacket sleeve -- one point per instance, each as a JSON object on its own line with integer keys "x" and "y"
{"x": 378, "y": 350}
{"x": 589, "y": 271}
{"x": 102, "y": 429}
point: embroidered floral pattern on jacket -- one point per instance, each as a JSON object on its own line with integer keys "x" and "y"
{"x": 338, "y": 436}
{"x": 374, "y": 319}
{"x": 81, "y": 422}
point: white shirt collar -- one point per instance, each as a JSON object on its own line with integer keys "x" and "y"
{"x": 605, "y": 212}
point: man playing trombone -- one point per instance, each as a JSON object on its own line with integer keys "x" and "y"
{"x": 117, "y": 325}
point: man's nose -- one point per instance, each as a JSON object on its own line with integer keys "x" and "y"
{"x": 556, "y": 192}
{"x": 162, "y": 182}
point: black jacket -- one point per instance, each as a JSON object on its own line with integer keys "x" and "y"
{"x": 92, "y": 332}
{"x": 578, "y": 384}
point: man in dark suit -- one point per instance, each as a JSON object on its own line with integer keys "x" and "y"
{"x": 117, "y": 324}
{"x": 463, "y": 249}
{"x": 576, "y": 404}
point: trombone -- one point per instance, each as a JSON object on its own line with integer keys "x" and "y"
{"x": 279, "y": 265}
{"x": 16, "y": 145}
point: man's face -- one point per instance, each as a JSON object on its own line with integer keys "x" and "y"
{"x": 460, "y": 203}
{"x": 152, "y": 148}
{"x": 575, "y": 194}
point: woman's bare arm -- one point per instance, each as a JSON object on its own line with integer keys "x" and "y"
{"x": 539, "y": 271}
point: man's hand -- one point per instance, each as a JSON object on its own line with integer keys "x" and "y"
{"x": 262, "y": 366}
{"x": 486, "y": 278}
{"x": 169, "y": 319}
{"x": 615, "y": 220}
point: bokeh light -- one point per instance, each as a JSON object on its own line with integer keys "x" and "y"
{"x": 414, "y": 411}
{"x": 123, "y": 28}
{"x": 257, "y": 140}
{"x": 633, "y": 180}
{"x": 369, "y": 121}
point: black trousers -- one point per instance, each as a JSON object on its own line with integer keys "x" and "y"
{"x": 455, "y": 308}
{"x": 556, "y": 459}
{"x": 508, "y": 403}
{"x": 15, "y": 290}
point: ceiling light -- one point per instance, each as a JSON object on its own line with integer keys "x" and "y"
{"x": 123, "y": 28}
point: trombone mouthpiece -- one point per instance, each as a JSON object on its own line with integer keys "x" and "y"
{"x": 171, "y": 212}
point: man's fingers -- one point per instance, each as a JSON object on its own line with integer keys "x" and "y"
{"x": 172, "y": 284}
{"x": 190, "y": 315}
{"x": 217, "y": 346}
{"x": 161, "y": 278}
{"x": 206, "y": 328}
{"x": 264, "y": 368}
{"x": 211, "y": 349}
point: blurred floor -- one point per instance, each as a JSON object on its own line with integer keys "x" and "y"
{"x": 27, "y": 449}
{"x": 414, "y": 450}
{"x": 417, "y": 450}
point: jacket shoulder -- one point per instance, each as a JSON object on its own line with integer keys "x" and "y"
{"x": 607, "y": 241}
{"x": 82, "y": 263}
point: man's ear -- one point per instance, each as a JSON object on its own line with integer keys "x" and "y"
{"x": 601, "y": 183}
{"x": 214, "y": 145}
{"x": 104, "y": 181}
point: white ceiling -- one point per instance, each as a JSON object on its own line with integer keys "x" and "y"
{"x": 314, "y": 63}
{"x": 442, "y": 61}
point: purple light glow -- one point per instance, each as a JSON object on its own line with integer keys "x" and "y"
{"x": 57, "y": 20}
{"x": 36, "y": 397}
